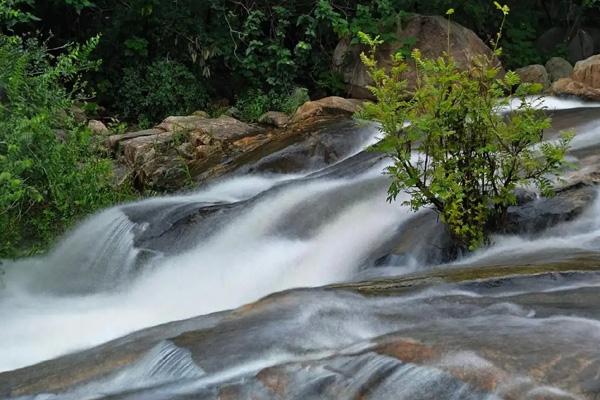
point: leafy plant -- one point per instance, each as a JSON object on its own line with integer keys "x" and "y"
{"x": 50, "y": 173}
{"x": 164, "y": 88}
{"x": 255, "y": 103}
{"x": 452, "y": 148}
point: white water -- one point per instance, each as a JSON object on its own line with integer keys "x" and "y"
{"x": 248, "y": 257}
{"x": 244, "y": 260}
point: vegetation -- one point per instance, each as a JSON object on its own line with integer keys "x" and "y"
{"x": 451, "y": 147}
{"x": 50, "y": 170}
{"x": 237, "y": 49}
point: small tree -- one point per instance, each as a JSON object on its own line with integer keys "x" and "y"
{"x": 452, "y": 146}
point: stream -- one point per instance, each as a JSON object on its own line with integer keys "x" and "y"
{"x": 165, "y": 298}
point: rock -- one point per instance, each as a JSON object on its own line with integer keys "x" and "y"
{"x": 156, "y": 161}
{"x": 201, "y": 114}
{"x": 179, "y": 123}
{"x": 430, "y": 33}
{"x": 114, "y": 140}
{"x": 581, "y": 46}
{"x": 588, "y": 71}
{"x": 78, "y": 114}
{"x": 98, "y": 128}
{"x": 558, "y": 68}
{"x": 551, "y": 39}
{"x": 584, "y": 81}
{"x": 535, "y": 73}
{"x": 327, "y": 106}
{"x": 274, "y": 118}
{"x": 570, "y": 87}
{"x": 543, "y": 213}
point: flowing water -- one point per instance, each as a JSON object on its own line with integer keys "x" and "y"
{"x": 234, "y": 241}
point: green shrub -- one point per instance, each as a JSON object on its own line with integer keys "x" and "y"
{"x": 51, "y": 174}
{"x": 163, "y": 88}
{"x": 457, "y": 153}
{"x": 255, "y": 103}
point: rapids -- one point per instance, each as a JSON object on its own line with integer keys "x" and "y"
{"x": 192, "y": 256}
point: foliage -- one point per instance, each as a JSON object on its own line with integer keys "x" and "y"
{"x": 255, "y": 103}
{"x": 164, "y": 88}
{"x": 50, "y": 173}
{"x": 451, "y": 147}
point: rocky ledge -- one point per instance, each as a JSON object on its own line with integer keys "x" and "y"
{"x": 187, "y": 149}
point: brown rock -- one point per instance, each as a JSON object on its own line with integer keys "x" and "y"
{"x": 588, "y": 71}
{"x": 430, "y": 33}
{"x": 535, "y": 73}
{"x": 97, "y": 127}
{"x": 327, "y": 106}
{"x": 114, "y": 140}
{"x": 180, "y": 123}
{"x": 571, "y": 87}
{"x": 274, "y": 118}
{"x": 227, "y": 128}
{"x": 584, "y": 82}
{"x": 407, "y": 350}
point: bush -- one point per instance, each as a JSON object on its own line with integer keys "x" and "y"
{"x": 51, "y": 174}
{"x": 164, "y": 88}
{"x": 255, "y": 103}
{"x": 450, "y": 146}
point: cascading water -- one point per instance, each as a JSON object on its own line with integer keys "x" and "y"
{"x": 167, "y": 259}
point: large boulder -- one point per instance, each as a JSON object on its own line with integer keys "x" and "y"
{"x": 429, "y": 34}
{"x": 584, "y": 81}
{"x": 581, "y": 46}
{"x": 535, "y": 73}
{"x": 558, "y": 68}
{"x": 588, "y": 71}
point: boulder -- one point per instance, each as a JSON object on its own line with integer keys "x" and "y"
{"x": 584, "y": 81}
{"x": 588, "y": 71}
{"x": 274, "y": 118}
{"x": 429, "y": 34}
{"x": 535, "y": 73}
{"x": 98, "y": 127}
{"x": 558, "y": 68}
{"x": 327, "y": 106}
{"x": 570, "y": 87}
{"x": 581, "y": 46}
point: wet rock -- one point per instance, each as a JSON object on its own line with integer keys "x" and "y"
{"x": 274, "y": 118}
{"x": 558, "y": 68}
{"x": 98, "y": 127}
{"x": 534, "y": 74}
{"x": 429, "y": 33}
{"x": 543, "y": 213}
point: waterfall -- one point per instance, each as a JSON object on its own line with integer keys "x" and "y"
{"x": 236, "y": 240}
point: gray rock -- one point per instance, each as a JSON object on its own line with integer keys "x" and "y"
{"x": 557, "y": 68}
{"x": 581, "y": 46}
{"x": 535, "y": 73}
